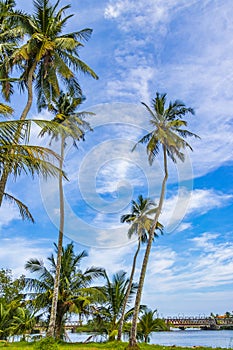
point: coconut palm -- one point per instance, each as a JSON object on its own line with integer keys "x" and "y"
{"x": 108, "y": 314}
{"x": 73, "y": 287}
{"x": 169, "y": 133}
{"x": 148, "y": 323}
{"x": 141, "y": 221}
{"x": 73, "y": 127}
{"x": 49, "y": 57}
{"x": 23, "y": 322}
{"x": 10, "y": 35}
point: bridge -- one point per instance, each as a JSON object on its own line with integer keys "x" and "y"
{"x": 199, "y": 322}
{"x": 172, "y": 322}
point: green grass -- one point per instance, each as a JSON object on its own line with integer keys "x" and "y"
{"x": 103, "y": 346}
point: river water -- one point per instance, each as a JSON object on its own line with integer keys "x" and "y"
{"x": 223, "y": 338}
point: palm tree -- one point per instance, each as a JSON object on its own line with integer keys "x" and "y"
{"x": 23, "y": 322}
{"x": 169, "y": 132}
{"x": 74, "y": 283}
{"x": 49, "y": 55}
{"x": 141, "y": 222}
{"x": 10, "y": 35}
{"x": 148, "y": 324}
{"x": 5, "y": 321}
{"x": 74, "y": 127}
{"x": 47, "y": 59}
{"x": 114, "y": 294}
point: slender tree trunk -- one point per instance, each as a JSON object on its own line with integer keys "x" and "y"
{"x": 52, "y": 320}
{"x": 128, "y": 291}
{"x": 133, "y": 333}
{"x": 3, "y": 182}
{"x": 59, "y": 328}
{"x": 30, "y": 91}
{"x": 7, "y": 170}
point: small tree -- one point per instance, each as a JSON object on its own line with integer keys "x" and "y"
{"x": 148, "y": 323}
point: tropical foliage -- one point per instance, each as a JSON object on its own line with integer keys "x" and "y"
{"x": 11, "y": 298}
{"x": 107, "y": 315}
{"x": 149, "y": 323}
{"x": 75, "y": 292}
{"x": 49, "y": 57}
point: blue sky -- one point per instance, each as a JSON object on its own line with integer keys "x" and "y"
{"x": 183, "y": 48}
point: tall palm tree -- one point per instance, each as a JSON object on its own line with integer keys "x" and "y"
{"x": 73, "y": 287}
{"x": 47, "y": 59}
{"x": 49, "y": 56}
{"x": 73, "y": 127}
{"x": 169, "y": 132}
{"x": 141, "y": 221}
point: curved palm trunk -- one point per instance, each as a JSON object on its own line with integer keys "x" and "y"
{"x": 30, "y": 91}
{"x": 121, "y": 323}
{"x": 6, "y": 171}
{"x": 52, "y": 320}
{"x": 133, "y": 333}
{"x": 3, "y": 182}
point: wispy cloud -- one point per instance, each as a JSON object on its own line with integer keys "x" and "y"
{"x": 185, "y": 204}
{"x": 210, "y": 265}
{"x": 14, "y": 253}
{"x": 8, "y": 213}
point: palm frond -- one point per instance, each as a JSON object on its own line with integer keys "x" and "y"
{"x": 23, "y": 209}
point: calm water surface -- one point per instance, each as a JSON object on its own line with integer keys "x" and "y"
{"x": 223, "y": 339}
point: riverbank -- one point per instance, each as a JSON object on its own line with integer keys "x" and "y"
{"x": 103, "y": 346}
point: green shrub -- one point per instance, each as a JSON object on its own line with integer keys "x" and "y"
{"x": 46, "y": 344}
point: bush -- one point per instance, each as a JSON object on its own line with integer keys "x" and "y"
{"x": 46, "y": 344}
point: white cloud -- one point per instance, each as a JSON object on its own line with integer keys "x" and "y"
{"x": 146, "y": 15}
{"x": 199, "y": 67}
{"x": 15, "y": 252}
{"x": 209, "y": 263}
{"x": 184, "y": 226}
{"x": 186, "y": 203}
{"x": 112, "y": 260}
{"x": 136, "y": 81}
{"x": 8, "y": 213}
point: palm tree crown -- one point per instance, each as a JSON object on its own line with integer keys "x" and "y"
{"x": 49, "y": 56}
{"x": 70, "y": 123}
{"x": 72, "y": 287}
{"x": 169, "y": 128}
{"x": 140, "y": 218}
{"x": 10, "y": 35}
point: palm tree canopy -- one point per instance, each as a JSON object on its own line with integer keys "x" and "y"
{"x": 10, "y": 35}
{"x": 70, "y": 124}
{"x": 55, "y": 55}
{"x": 109, "y": 312}
{"x": 149, "y": 323}
{"x": 169, "y": 128}
{"x": 74, "y": 282}
{"x": 141, "y": 219}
